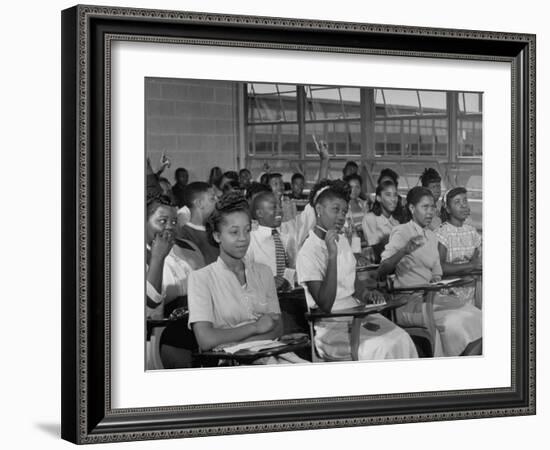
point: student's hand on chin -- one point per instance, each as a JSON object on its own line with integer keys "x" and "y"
{"x": 331, "y": 238}
{"x": 162, "y": 244}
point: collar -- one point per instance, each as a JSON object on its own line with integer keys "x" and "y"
{"x": 418, "y": 228}
{"x": 266, "y": 231}
{"x": 195, "y": 227}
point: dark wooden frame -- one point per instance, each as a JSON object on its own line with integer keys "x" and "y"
{"x": 87, "y": 31}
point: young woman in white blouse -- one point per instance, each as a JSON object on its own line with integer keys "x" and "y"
{"x": 326, "y": 268}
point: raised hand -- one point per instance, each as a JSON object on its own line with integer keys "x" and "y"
{"x": 164, "y": 161}
{"x": 414, "y": 243}
{"x": 321, "y": 147}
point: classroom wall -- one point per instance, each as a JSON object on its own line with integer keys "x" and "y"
{"x": 193, "y": 122}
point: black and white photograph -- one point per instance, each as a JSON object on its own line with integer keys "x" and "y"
{"x": 299, "y": 223}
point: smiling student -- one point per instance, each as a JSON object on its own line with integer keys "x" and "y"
{"x": 326, "y": 268}
{"x": 230, "y": 300}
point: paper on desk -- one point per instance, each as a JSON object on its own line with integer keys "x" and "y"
{"x": 446, "y": 282}
{"x": 254, "y": 346}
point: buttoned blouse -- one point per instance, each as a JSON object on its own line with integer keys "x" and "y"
{"x": 312, "y": 263}
{"x": 215, "y": 295}
{"x": 420, "y": 266}
{"x": 376, "y": 228}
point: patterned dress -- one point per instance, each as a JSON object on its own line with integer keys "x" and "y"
{"x": 461, "y": 243}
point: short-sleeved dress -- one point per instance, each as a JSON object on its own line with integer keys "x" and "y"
{"x": 332, "y": 335}
{"x": 458, "y": 322}
{"x": 461, "y": 243}
{"x": 216, "y": 296}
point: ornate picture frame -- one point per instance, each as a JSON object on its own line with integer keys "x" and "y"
{"x": 87, "y": 35}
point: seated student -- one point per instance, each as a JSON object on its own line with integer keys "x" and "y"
{"x": 379, "y": 221}
{"x": 214, "y": 180}
{"x": 168, "y": 267}
{"x": 431, "y": 180}
{"x": 272, "y": 243}
{"x": 288, "y": 208}
{"x": 228, "y": 176}
{"x": 400, "y": 212}
{"x": 357, "y": 206}
{"x": 182, "y": 178}
{"x": 413, "y": 255}
{"x": 459, "y": 243}
{"x": 199, "y": 197}
{"x": 231, "y": 186}
{"x": 326, "y": 269}
{"x": 351, "y": 168}
{"x": 231, "y": 301}
{"x": 297, "y": 196}
{"x": 245, "y": 177}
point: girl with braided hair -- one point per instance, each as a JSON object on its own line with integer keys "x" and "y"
{"x": 326, "y": 268}
{"x": 231, "y": 301}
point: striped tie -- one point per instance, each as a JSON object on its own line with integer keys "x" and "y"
{"x": 280, "y": 255}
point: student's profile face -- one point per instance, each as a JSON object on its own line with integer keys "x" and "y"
{"x": 164, "y": 218}
{"x": 208, "y": 201}
{"x": 423, "y": 212}
{"x": 458, "y": 207}
{"x": 388, "y": 198}
{"x": 277, "y": 185}
{"x": 331, "y": 213}
{"x": 355, "y": 189}
{"x": 269, "y": 212}
{"x": 234, "y": 234}
{"x": 435, "y": 188}
{"x": 298, "y": 186}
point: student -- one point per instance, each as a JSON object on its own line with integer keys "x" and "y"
{"x": 199, "y": 197}
{"x": 459, "y": 243}
{"x": 431, "y": 180}
{"x": 326, "y": 269}
{"x": 412, "y": 253}
{"x": 245, "y": 178}
{"x": 168, "y": 267}
{"x": 297, "y": 196}
{"x": 182, "y": 178}
{"x": 400, "y": 212}
{"x": 272, "y": 243}
{"x": 288, "y": 208}
{"x": 351, "y": 168}
{"x": 379, "y": 221}
{"x": 357, "y": 206}
{"x": 228, "y": 176}
{"x": 231, "y": 301}
{"x": 214, "y": 180}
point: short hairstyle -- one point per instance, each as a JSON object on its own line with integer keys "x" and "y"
{"x": 231, "y": 184}
{"x": 273, "y": 175}
{"x": 447, "y": 201}
{"x": 429, "y": 175}
{"x": 227, "y": 204}
{"x": 256, "y": 201}
{"x": 181, "y": 170}
{"x": 297, "y": 176}
{"x": 155, "y": 202}
{"x": 354, "y": 176}
{"x": 255, "y": 188}
{"x": 326, "y": 189}
{"x": 231, "y": 174}
{"x": 350, "y": 164}
{"x": 215, "y": 175}
{"x": 244, "y": 170}
{"x": 416, "y": 194}
{"x": 387, "y": 172}
{"x": 193, "y": 191}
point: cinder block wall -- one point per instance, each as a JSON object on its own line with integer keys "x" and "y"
{"x": 194, "y": 122}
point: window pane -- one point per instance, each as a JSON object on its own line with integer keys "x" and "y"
{"x": 273, "y": 140}
{"x": 342, "y": 138}
{"x": 271, "y": 103}
{"x": 394, "y": 102}
{"x": 469, "y": 103}
{"x": 332, "y": 103}
{"x": 469, "y": 137}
